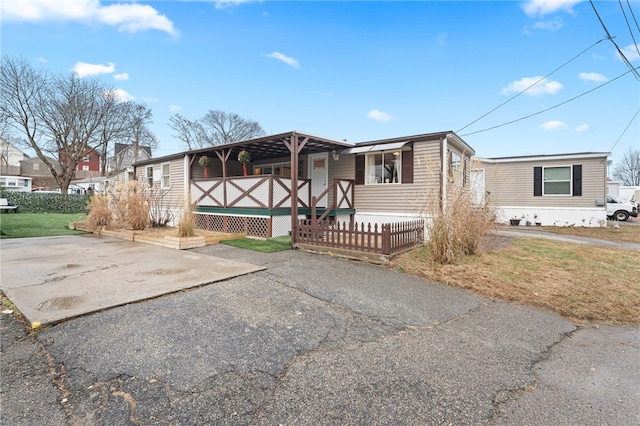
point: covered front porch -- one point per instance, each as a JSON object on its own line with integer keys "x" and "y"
{"x": 287, "y": 179}
{"x": 261, "y": 206}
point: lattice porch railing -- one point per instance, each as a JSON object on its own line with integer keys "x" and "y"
{"x": 266, "y": 192}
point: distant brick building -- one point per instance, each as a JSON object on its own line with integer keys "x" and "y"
{"x": 89, "y": 162}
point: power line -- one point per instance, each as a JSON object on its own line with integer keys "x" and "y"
{"x": 523, "y": 91}
{"x": 620, "y": 52}
{"x": 633, "y": 15}
{"x": 625, "y": 129}
{"x": 629, "y": 26}
{"x": 554, "y": 106}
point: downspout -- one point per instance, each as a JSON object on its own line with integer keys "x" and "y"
{"x": 443, "y": 173}
{"x": 187, "y": 182}
{"x": 294, "y": 187}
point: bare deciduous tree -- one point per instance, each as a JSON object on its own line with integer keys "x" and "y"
{"x": 113, "y": 129}
{"x": 627, "y": 171}
{"x": 215, "y": 128}
{"x": 60, "y": 115}
{"x": 188, "y": 131}
{"x": 140, "y": 116}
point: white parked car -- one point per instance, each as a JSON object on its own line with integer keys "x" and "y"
{"x": 620, "y": 211}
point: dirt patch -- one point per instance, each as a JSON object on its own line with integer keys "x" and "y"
{"x": 494, "y": 242}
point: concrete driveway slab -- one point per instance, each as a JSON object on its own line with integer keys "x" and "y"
{"x": 69, "y": 276}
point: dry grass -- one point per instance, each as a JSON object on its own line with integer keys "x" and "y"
{"x": 623, "y": 234}
{"x": 99, "y": 212}
{"x": 581, "y": 283}
{"x": 458, "y": 228}
{"x": 187, "y": 225}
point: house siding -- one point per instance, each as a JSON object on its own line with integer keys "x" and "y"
{"x": 173, "y": 198}
{"x": 410, "y": 198}
{"x": 511, "y": 184}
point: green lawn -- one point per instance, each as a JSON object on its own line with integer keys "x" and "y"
{"x": 269, "y": 245}
{"x": 22, "y": 225}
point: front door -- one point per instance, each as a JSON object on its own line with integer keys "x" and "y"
{"x": 477, "y": 186}
{"x": 319, "y": 175}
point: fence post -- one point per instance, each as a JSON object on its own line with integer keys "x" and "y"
{"x": 386, "y": 238}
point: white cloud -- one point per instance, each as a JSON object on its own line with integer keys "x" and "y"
{"x": 593, "y": 76}
{"x": 175, "y": 108}
{"x": 631, "y": 52}
{"x": 222, "y": 4}
{"x": 552, "y": 25}
{"x": 545, "y": 7}
{"x": 554, "y": 125}
{"x": 377, "y": 115}
{"x": 135, "y": 17}
{"x": 127, "y": 17}
{"x": 122, "y": 95}
{"x": 83, "y": 69}
{"x": 284, "y": 58}
{"x": 41, "y": 59}
{"x": 543, "y": 87}
{"x": 145, "y": 99}
{"x": 121, "y": 76}
{"x": 583, "y": 128}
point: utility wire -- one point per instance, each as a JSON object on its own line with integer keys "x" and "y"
{"x": 629, "y": 27}
{"x": 625, "y": 129}
{"x": 622, "y": 55}
{"x": 554, "y": 106}
{"x": 633, "y": 15}
{"x": 538, "y": 81}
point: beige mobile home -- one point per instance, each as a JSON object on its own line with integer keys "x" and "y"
{"x": 552, "y": 190}
{"x": 295, "y": 177}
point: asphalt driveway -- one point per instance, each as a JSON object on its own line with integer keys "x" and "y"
{"x": 318, "y": 340}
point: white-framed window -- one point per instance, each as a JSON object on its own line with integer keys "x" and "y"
{"x": 166, "y": 176}
{"x": 383, "y": 167}
{"x": 276, "y": 169}
{"x": 456, "y": 168}
{"x": 149, "y": 176}
{"x": 85, "y": 168}
{"x": 36, "y": 166}
{"x": 85, "y": 158}
{"x": 556, "y": 180}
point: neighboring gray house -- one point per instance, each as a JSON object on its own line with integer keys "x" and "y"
{"x": 560, "y": 190}
{"x": 127, "y": 154}
{"x": 10, "y": 158}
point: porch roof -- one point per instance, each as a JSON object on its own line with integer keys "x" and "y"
{"x": 274, "y": 146}
{"x": 266, "y": 147}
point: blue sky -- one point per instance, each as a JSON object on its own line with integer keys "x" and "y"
{"x": 358, "y": 70}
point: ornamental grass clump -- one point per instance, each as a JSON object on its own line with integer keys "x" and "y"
{"x": 187, "y": 224}
{"x": 99, "y": 212}
{"x": 458, "y": 227}
{"x": 130, "y": 206}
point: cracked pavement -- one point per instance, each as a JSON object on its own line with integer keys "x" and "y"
{"x": 319, "y": 340}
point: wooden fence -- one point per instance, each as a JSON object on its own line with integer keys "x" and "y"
{"x": 388, "y": 238}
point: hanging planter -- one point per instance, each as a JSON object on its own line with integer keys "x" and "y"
{"x": 244, "y": 157}
{"x": 204, "y": 163}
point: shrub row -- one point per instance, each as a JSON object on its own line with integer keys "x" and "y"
{"x": 34, "y": 202}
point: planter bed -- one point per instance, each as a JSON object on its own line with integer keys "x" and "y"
{"x": 158, "y": 236}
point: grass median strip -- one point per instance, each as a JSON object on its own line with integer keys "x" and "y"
{"x": 269, "y": 245}
{"x": 621, "y": 234}
{"x": 578, "y": 282}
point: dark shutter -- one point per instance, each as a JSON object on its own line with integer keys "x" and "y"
{"x": 359, "y": 169}
{"x": 537, "y": 181}
{"x": 407, "y": 166}
{"x": 577, "y": 180}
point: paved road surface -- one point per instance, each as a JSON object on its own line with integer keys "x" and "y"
{"x": 318, "y": 340}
